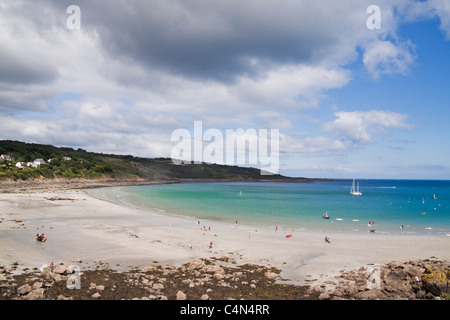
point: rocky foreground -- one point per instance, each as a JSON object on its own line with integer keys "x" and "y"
{"x": 221, "y": 279}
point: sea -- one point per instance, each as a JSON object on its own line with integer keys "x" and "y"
{"x": 402, "y": 207}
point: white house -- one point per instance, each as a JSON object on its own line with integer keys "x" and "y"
{"x": 21, "y": 165}
{"x": 6, "y": 157}
{"x": 36, "y": 163}
{"x": 67, "y": 158}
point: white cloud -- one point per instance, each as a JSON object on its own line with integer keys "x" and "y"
{"x": 313, "y": 145}
{"x": 292, "y": 86}
{"x": 442, "y": 9}
{"x": 359, "y": 126}
{"x": 236, "y": 64}
{"x": 385, "y": 57}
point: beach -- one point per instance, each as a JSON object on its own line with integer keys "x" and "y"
{"x": 84, "y": 230}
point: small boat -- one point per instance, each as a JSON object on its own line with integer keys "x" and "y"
{"x": 326, "y": 216}
{"x": 355, "y": 191}
{"x": 423, "y": 212}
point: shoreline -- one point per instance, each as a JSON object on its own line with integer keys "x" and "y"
{"x": 336, "y": 226}
{"x": 84, "y": 230}
{"x": 27, "y": 186}
{"x": 286, "y": 228}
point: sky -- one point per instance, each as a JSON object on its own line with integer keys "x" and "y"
{"x": 352, "y": 92}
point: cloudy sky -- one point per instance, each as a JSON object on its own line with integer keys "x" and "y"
{"x": 348, "y": 100}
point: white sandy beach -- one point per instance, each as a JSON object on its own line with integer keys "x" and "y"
{"x": 86, "y": 229}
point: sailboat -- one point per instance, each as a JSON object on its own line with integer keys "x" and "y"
{"x": 353, "y": 191}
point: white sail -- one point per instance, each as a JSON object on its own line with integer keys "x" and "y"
{"x": 355, "y": 191}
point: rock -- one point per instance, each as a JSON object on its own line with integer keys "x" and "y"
{"x": 397, "y": 279}
{"x": 374, "y": 294}
{"x": 219, "y": 276}
{"x": 352, "y": 290}
{"x": 414, "y": 271}
{"x": 47, "y": 273}
{"x": 395, "y": 264}
{"x": 204, "y": 297}
{"x": 435, "y": 280}
{"x": 58, "y": 277}
{"x": 37, "y": 285}
{"x": 324, "y": 296}
{"x": 271, "y": 275}
{"x": 96, "y": 295}
{"x": 26, "y": 288}
{"x": 60, "y": 269}
{"x": 338, "y": 293}
{"x": 36, "y": 294}
{"x": 196, "y": 264}
{"x": 158, "y": 286}
{"x": 181, "y": 295}
{"x": 214, "y": 269}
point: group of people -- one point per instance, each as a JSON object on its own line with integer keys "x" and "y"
{"x": 371, "y": 222}
{"x": 41, "y": 237}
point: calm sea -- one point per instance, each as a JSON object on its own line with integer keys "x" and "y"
{"x": 395, "y": 206}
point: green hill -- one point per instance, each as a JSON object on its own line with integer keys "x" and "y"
{"x": 70, "y": 163}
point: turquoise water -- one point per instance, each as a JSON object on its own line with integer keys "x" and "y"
{"x": 420, "y": 206}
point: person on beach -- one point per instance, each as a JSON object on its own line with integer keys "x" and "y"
{"x": 210, "y": 246}
{"x": 327, "y": 240}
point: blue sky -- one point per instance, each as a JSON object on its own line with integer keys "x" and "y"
{"x": 347, "y": 101}
{"x": 423, "y": 94}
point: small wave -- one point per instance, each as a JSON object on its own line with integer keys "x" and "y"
{"x": 127, "y": 203}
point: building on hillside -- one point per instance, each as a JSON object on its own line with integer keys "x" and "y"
{"x": 37, "y": 162}
{"x": 21, "y": 165}
{"x": 6, "y": 157}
